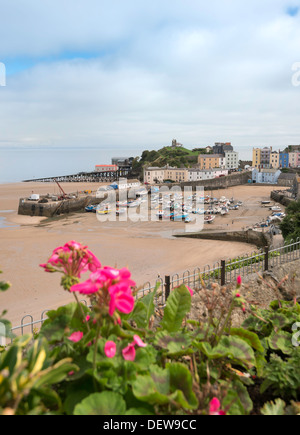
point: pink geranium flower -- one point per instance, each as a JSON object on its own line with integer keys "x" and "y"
{"x": 72, "y": 259}
{"x": 239, "y": 281}
{"x": 113, "y": 287}
{"x": 110, "y": 349}
{"x": 76, "y": 336}
{"x": 121, "y": 299}
{"x": 214, "y": 407}
{"x": 129, "y": 352}
{"x": 138, "y": 341}
{"x": 190, "y": 290}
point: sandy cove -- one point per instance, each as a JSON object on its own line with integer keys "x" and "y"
{"x": 146, "y": 248}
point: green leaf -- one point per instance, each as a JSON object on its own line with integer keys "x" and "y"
{"x": 175, "y": 343}
{"x": 53, "y": 329}
{"x": 177, "y": 306}
{"x": 281, "y": 341}
{"x": 274, "y": 408}
{"x": 279, "y": 321}
{"x": 181, "y": 384}
{"x": 237, "y": 400}
{"x": 138, "y": 315}
{"x": 55, "y": 374}
{"x": 166, "y": 386}
{"x": 105, "y": 403}
{"x": 233, "y": 348}
{"x": 250, "y": 337}
{"x": 138, "y": 411}
{"x": 148, "y": 301}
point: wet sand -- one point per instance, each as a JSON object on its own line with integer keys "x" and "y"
{"x": 146, "y": 248}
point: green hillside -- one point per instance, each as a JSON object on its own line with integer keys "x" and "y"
{"x": 177, "y": 157}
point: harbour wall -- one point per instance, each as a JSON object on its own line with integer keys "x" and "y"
{"x": 232, "y": 180}
{"x": 251, "y": 237}
{"x": 281, "y": 198}
{"x": 66, "y": 206}
{"x": 55, "y": 208}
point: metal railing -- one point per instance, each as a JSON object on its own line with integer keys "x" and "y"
{"x": 222, "y": 272}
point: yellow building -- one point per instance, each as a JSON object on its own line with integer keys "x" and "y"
{"x": 256, "y": 159}
{"x": 176, "y": 174}
{"x": 209, "y": 161}
{"x": 154, "y": 175}
{"x": 274, "y": 160}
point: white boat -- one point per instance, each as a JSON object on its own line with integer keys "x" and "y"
{"x": 275, "y": 208}
{"x": 209, "y": 219}
{"x": 120, "y": 211}
{"x": 134, "y": 204}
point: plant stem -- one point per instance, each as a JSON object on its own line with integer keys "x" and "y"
{"x": 226, "y": 320}
{"x": 96, "y": 348}
{"x": 81, "y": 310}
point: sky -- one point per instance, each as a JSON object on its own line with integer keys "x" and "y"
{"x": 133, "y": 75}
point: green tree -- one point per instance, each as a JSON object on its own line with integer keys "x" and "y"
{"x": 290, "y": 225}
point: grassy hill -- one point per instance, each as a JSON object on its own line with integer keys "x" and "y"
{"x": 177, "y": 157}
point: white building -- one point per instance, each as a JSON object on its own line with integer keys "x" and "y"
{"x": 231, "y": 159}
{"x": 206, "y": 174}
{"x": 153, "y": 175}
{"x": 269, "y": 176}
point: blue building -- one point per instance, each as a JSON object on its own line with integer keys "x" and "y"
{"x": 284, "y": 160}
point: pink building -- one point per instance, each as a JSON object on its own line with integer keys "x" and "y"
{"x": 106, "y": 168}
{"x": 220, "y": 173}
{"x": 294, "y": 159}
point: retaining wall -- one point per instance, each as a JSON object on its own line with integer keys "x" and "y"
{"x": 281, "y": 198}
{"x": 256, "y": 238}
{"x": 232, "y": 180}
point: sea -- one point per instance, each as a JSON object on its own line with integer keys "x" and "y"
{"x": 27, "y": 163}
{"x": 18, "y": 164}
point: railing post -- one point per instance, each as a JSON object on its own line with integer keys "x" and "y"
{"x": 167, "y": 286}
{"x": 223, "y": 272}
{"x": 266, "y": 258}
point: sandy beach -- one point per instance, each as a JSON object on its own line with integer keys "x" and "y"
{"x": 146, "y": 248}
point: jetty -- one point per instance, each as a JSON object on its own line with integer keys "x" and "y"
{"x": 86, "y": 177}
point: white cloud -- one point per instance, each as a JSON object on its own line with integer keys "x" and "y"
{"x": 199, "y": 71}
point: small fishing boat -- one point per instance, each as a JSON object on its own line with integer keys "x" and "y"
{"x": 133, "y": 204}
{"x": 209, "y": 219}
{"x": 91, "y": 208}
{"x": 179, "y": 217}
{"x": 120, "y": 211}
{"x": 105, "y": 210}
{"x": 199, "y": 211}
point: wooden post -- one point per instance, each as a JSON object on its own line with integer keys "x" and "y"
{"x": 223, "y": 272}
{"x": 266, "y": 258}
{"x": 167, "y": 286}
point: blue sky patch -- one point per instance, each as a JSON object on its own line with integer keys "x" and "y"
{"x": 293, "y": 11}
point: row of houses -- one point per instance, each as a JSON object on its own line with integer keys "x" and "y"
{"x": 266, "y": 158}
{"x": 222, "y": 155}
{"x": 154, "y": 175}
